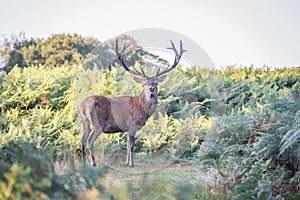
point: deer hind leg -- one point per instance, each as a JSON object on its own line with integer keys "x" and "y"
{"x": 96, "y": 131}
{"x": 86, "y": 132}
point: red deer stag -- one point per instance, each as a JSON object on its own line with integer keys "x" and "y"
{"x": 122, "y": 114}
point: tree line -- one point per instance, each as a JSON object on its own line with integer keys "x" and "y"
{"x": 64, "y": 49}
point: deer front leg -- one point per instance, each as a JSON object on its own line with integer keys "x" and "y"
{"x": 130, "y": 145}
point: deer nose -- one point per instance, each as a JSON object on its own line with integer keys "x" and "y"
{"x": 152, "y": 89}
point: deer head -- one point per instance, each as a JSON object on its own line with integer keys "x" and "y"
{"x": 150, "y": 82}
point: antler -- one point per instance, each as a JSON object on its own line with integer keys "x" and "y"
{"x": 133, "y": 70}
{"x": 176, "y": 61}
{"x": 120, "y": 60}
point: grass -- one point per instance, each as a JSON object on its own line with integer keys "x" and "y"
{"x": 175, "y": 181}
{"x": 153, "y": 177}
{"x": 179, "y": 180}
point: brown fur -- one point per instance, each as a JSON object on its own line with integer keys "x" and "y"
{"x": 111, "y": 115}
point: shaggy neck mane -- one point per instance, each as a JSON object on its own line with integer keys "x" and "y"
{"x": 148, "y": 104}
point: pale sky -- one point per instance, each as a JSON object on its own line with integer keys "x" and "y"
{"x": 232, "y": 32}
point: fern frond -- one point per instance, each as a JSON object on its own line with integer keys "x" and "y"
{"x": 291, "y": 139}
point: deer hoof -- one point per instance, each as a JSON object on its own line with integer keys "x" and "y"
{"x": 129, "y": 165}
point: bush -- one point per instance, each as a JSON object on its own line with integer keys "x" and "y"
{"x": 240, "y": 121}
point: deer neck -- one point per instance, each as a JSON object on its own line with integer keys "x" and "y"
{"x": 148, "y": 104}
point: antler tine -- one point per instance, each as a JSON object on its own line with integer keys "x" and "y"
{"x": 181, "y": 49}
{"x": 120, "y": 59}
{"x": 173, "y": 48}
{"x": 139, "y": 73}
{"x": 119, "y": 55}
{"x": 157, "y": 73}
{"x": 125, "y": 46}
{"x": 176, "y": 61}
{"x": 143, "y": 72}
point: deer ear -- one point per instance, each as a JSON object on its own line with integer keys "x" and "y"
{"x": 138, "y": 80}
{"x": 161, "y": 79}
